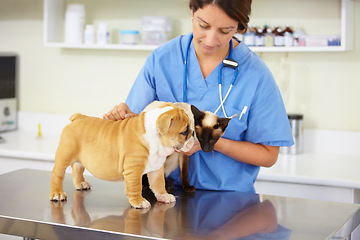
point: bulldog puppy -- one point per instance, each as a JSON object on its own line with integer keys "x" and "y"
{"x": 208, "y": 129}
{"x": 121, "y": 151}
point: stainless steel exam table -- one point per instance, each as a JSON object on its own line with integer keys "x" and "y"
{"x": 104, "y": 213}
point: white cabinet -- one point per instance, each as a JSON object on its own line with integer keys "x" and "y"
{"x": 54, "y": 25}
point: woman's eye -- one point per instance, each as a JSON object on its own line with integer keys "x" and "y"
{"x": 225, "y": 31}
{"x": 203, "y": 25}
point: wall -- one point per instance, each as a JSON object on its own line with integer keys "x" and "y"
{"x": 322, "y": 86}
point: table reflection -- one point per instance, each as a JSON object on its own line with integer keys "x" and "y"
{"x": 202, "y": 215}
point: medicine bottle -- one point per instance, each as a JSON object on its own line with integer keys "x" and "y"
{"x": 288, "y": 37}
{"x": 74, "y": 23}
{"x": 89, "y": 34}
{"x": 269, "y": 37}
{"x": 102, "y": 34}
{"x": 260, "y": 38}
{"x": 249, "y": 36}
{"x": 279, "y": 40}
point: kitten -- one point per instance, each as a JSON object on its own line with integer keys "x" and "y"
{"x": 208, "y": 130}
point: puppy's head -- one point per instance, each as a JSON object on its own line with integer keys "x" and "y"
{"x": 174, "y": 128}
{"x": 208, "y": 127}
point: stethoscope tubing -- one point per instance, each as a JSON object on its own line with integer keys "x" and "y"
{"x": 222, "y": 100}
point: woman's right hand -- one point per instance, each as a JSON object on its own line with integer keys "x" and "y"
{"x": 119, "y": 112}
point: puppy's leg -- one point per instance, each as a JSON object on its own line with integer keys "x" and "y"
{"x": 133, "y": 185}
{"x": 63, "y": 157}
{"x": 57, "y": 177}
{"x": 78, "y": 177}
{"x": 157, "y": 185}
{"x": 184, "y": 170}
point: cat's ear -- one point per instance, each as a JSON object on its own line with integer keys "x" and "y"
{"x": 198, "y": 115}
{"x": 223, "y": 123}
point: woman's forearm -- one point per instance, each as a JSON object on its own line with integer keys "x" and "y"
{"x": 247, "y": 152}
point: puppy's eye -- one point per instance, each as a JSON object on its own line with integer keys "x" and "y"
{"x": 216, "y": 126}
{"x": 185, "y": 133}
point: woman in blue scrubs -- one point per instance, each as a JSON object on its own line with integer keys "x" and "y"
{"x": 195, "y": 59}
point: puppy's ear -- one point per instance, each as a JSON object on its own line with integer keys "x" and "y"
{"x": 223, "y": 123}
{"x": 164, "y": 122}
{"x": 198, "y": 115}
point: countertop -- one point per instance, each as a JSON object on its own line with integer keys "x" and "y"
{"x": 104, "y": 213}
{"x": 330, "y": 158}
{"x": 335, "y": 169}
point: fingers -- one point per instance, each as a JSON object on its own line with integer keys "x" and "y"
{"x": 194, "y": 149}
{"x": 119, "y": 112}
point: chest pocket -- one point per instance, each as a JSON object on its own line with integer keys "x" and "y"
{"x": 236, "y": 129}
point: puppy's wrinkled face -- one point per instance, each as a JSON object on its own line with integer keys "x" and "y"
{"x": 209, "y": 128}
{"x": 174, "y": 128}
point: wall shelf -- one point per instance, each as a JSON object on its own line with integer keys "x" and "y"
{"x": 54, "y": 20}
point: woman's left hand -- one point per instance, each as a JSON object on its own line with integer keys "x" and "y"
{"x": 194, "y": 149}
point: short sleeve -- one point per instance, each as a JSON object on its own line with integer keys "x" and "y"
{"x": 143, "y": 90}
{"x": 267, "y": 122}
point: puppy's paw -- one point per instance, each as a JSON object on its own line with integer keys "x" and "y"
{"x": 141, "y": 203}
{"x": 165, "y": 198}
{"x": 83, "y": 186}
{"x": 58, "y": 196}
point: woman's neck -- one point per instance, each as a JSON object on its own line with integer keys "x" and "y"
{"x": 208, "y": 62}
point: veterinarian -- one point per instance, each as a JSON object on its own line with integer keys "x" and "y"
{"x": 190, "y": 68}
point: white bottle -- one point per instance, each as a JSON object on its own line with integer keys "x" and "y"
{"x": 89, "y": 34}
{"x": 102, "y": 34}
{"x": 74, "y": 23}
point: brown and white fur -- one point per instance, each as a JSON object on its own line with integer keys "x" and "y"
{"x": 121, "y": 151}
{"x": 208, "y": 129}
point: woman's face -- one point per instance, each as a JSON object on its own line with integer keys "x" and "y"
{"x": 212, "y": 29}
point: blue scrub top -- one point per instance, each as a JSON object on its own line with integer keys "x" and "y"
{"x": 265, "y": 120}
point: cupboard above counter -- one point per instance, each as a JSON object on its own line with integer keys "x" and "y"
{"x": 54, "y": 13}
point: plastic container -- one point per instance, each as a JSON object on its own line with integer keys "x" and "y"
{"x": 156, "y": 30}
{"x": 74, "y": 23}
{"x": 129, "y": 36}
{"x": 102, "y": 34}
{"x": 297, "y": 131}
{"x": 89, "y": 34}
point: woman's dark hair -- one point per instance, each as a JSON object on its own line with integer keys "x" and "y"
{"x": 239, "y": 10}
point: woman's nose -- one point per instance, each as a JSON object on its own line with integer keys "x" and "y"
{"x": 211, "y": 39}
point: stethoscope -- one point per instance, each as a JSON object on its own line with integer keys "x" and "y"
{"x": 227, "y": 62}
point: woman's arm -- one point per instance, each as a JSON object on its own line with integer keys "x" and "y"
{"x": 247, "y": 152}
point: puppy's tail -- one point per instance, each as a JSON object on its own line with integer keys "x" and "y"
{"x": 75, "y": 116}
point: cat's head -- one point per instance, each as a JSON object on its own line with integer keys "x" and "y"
{"x": 208, "y": 128}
